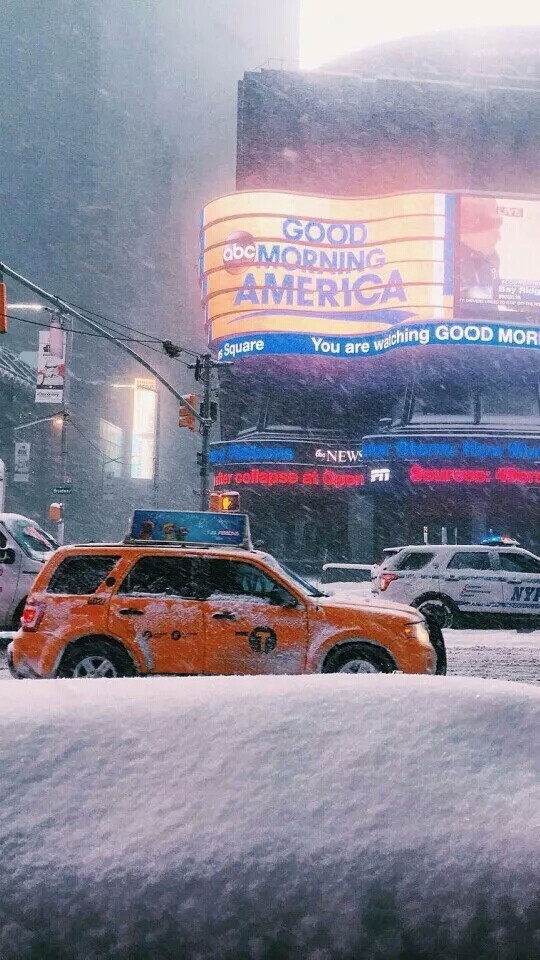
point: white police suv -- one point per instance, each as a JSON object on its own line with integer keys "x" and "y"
{"x": 446, "y": 582}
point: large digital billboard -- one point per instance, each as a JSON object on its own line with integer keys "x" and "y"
{"x": 286, "y": 273}
{"x": 292, "y": 265}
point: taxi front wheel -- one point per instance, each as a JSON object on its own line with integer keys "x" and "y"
{"x": 95, "y": 659}
{"x": 358, "y": 658}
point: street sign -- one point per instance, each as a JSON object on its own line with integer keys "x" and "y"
{"x": 63, "y": 490}
{"x": 22, "y": 462}
{"x": 50, "y": 371}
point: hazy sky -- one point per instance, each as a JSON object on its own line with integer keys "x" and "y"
{"x": 333, "y": 28}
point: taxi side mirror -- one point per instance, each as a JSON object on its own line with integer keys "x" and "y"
{"x": 7, "y": 556}
{"x": 279, "y": 597}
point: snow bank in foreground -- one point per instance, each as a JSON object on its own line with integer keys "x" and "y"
{"x": 319, "y": 817}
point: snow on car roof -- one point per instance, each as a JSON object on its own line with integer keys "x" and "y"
{"x": 347, "y": 566}
{"x": 216, "y": 812}
{"x": 447, "y": 546}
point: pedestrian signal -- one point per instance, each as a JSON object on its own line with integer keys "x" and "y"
{"x": 55, "y": 512}
{"x": 225, "y": 502}
{"x": 3, "y": 309}
{"x": 186, "y": 418}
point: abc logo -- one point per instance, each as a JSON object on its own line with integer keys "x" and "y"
{"x": 239, "y": 251}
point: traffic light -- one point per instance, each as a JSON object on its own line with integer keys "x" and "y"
{"x": 213, "y": 410}
{"x": 228, "y": 502}
{"x": 3, "y": 309}
{"x": 185, "y": 417}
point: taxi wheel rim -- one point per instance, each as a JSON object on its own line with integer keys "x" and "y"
{"x": 94, "y": 667}
{"x": 359, "y": 665}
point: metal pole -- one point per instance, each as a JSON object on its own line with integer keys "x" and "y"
{"x": 157, "y": 437}
{"x": 77, "y": 315}
{"x": 205, "y": 429}
{"x": 64, "y": 435}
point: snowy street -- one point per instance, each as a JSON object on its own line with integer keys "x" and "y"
{"x": 495, "y": 654}
{"x": 498, "y": 654}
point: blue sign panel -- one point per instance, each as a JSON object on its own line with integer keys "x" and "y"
{"x": 470, "y": 333}
{"x": 180, "y": 526}
{"x": 448, "y": 447}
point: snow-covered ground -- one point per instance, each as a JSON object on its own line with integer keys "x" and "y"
{"x": 499, "y": 654}
{"x": 286, "y": 817}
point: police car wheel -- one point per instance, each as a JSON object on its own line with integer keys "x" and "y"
{"x": 438, "y": 609}
{"x": 358, "y": 658}
{"x": 95, "y": 659}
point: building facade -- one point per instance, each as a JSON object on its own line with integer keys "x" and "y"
{"x": 117, "y": 119}
{"x": 373, "y": 289}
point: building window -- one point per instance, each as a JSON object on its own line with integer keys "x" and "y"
{"x": 439, "y": 403}
{"x": 143, "y": 445}
{"x": 111, "y": 443}
{"x": 504, "y": 402}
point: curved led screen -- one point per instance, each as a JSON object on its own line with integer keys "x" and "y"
{"x": 284, "y": 273}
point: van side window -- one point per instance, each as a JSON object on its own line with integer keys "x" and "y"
{"x": 168, "y": 576}
{"x": 81, "y": 575}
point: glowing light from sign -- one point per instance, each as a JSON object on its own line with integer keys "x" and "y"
{"x": 336, "y": 479}
{"x": 440, "y": 475}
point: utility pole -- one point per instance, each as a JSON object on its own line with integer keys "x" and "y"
{"x": 206, "y": 376}
{"x": 157, "y": 437}
{"x": 68, "y": 335}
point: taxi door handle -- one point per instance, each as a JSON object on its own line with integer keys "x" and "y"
{"x": 224, "y": 615}
{"x": 131, "y": 612}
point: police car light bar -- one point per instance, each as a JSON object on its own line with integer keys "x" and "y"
{"x": 190, "y": 528}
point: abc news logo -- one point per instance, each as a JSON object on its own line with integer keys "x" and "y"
{"x": 239, "y": 252}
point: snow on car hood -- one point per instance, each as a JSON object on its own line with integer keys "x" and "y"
{"x": 309, "y": 812}
{"x": 373, "y": 604}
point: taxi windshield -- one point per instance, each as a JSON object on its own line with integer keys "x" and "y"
{"x": 31, "y": 537}
{"x": 304, "y": 585}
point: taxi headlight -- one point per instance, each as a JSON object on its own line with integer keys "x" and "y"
{"x": 421, "y": 633}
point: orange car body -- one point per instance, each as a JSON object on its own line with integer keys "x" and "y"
{"x": 270, "y": 625}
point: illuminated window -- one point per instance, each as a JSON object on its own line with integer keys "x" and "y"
{"x": 111, "y": 443}
{"x": 144, "y": 430}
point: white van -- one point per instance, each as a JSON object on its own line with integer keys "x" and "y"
{"x": 24, "y": 548}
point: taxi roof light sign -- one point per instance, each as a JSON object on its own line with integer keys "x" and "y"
{"x": 190, "y": 528}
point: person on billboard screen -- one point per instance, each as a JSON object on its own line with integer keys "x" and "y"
{"x": 480, "y": 231}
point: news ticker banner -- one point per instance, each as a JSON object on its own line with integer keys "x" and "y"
{"x": 283, "y": 273}
{"x": 377, "y": 463}
{"x": 447, "y": 448}
{"x": 377, "y": 478}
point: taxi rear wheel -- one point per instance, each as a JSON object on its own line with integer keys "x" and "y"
{"x": 358, "y": 658}
{"x": 95, "y": 659}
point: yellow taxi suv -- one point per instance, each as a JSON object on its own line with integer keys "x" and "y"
{"x": 185, "y": 593}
